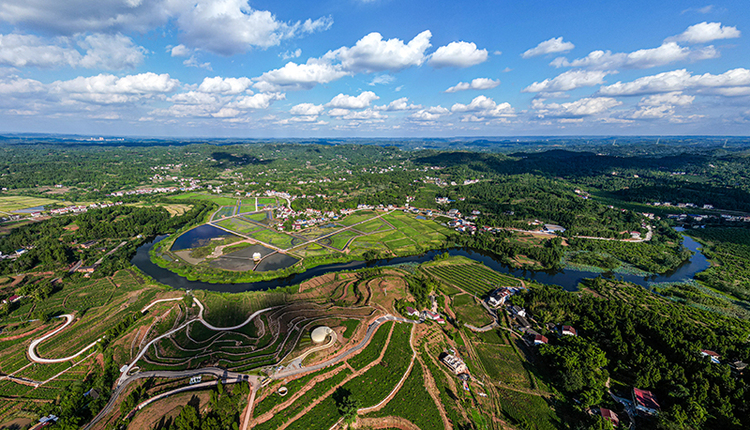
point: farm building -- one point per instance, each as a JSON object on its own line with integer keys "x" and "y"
{"x": 610, "y": 416}
{"x": 568, "y": 331}
{"x": 712, "y": 355}
{"x": 738, "y": 367}
{"x": 412, "y": 312}
{"x": 645, "y": 401}
{"x": 539, "y": 339}
{"x": 455, "y": 364}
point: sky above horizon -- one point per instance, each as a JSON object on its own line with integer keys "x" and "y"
{"x": 374, "y": 68}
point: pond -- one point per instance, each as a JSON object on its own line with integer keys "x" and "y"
{"x": 197, "y": 237}
{"x": 566, "y": 278}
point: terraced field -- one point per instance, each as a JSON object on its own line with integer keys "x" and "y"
{"x": 475, "y": 279}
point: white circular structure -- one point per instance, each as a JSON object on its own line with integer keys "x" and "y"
{"x": 320, "y": 333}
{"x": 257, "y": 256}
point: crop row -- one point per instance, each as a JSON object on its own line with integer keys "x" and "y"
{"x": 303, "y": 401}
{"x": 292, "y": 387}
{"x": 373, "y": 349}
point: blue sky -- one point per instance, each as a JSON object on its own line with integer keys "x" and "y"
{"x": 381, "y": 68}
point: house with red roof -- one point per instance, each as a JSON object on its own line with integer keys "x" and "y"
{"x": 610, "y": 416}
{"x": 568, "y": 331}
{"x": 712, "y": 355}
{"x": 645, "y": 401}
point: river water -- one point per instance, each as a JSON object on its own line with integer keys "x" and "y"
{"x": 566, "y": 278}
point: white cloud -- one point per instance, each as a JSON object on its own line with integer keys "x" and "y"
{"x": 109, "y": 52}
{"x": 295, "y": 76}
{"x": 367, "y": 114}
{"x": 667, "y": 53}
{"x": 660, "y": 105}
{"x": 578, "y": 109}
{"x": 430, "y": 114}
{"x": 193, "y": 62}
{"x": 19, "y": 86}
{"x": 219, "y": 85}
{"x": 306, "y": 109}
{"x": 674, "y": 98}
{"x": 569, "y": 80}
{"x": 678, "y": 80}
{"x": 225, "y": 27}
{"x": 705, "y": 32}
{"x": 485, "y": 107}
{"x": 257, "y": 101}
{"x": 399, "y": 104}
{"x": 458, "y": 54}
{"x": 193, "y": 98}
{"x": 180, "y": 51}
{"x": 343, "y": 101}
{"x": 110, "y": 89}
{"x": 550, "y": 46}
{"x": 475, "y": 84}
{"x": 291, "y": 54}
{"x": 373, "y": 54}
{"x": 382, "y": 80}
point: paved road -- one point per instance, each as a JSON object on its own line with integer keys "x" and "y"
{"x": 159, "y": 301}
{"x": 224, "y": 375}
{"x": 37, "y": 359}
{"x": 341, "y": 357}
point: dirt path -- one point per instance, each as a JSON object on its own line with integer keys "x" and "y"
{"x": 385, "y": 423}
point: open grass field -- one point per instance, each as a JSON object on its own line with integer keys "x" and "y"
{"x": 470, "y": 311}
{"x": 372, "y": 226}
{"x": 475, "y": 279}
{"x": 274, "y": 238}
{"x": 260, "y": 216}
{"x": 9, "y": 204}
{"x": 267, "y": 201}
{"x": 247, "y": 205}
{"x": 219, "y": 200}
{"x": 239, "y": 225}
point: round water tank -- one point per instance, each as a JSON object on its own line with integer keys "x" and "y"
{"x": 320, "y": 333}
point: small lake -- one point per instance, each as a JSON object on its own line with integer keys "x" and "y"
{"x": 197, "y": 237}
{"x": 29, "y": 210}
{"x": 566, "y": 278}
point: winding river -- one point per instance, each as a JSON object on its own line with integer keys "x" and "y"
{"x": 566, "y": 278}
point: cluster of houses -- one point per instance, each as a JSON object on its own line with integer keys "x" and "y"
{"x": 699, "y": 218}
{"x": 680, "y": 205}
{"x": 192, "y": 187}
{"x": 12, "y": 299}
{"x": 17, "y": 253}
{"x": 738, "y": 367}
{"x": 457, "y": 366}
{"x": 77, "y": 209}
{"x": 425, "y": 315}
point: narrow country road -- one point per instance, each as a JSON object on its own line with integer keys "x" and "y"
{"x": 37, "y": 359}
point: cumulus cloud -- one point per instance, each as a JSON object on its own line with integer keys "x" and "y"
{"x": 180, "y": 51}
{"x": 367, "y": 114}
{"x": 483, "y": 107}
{"x": 382, "y": 80}
{"x": 193, "y": 98}
{"x": 458, "y": 54}
{"x": 101, "y": 51}
{"x": 224, "y": 27}
{"x": 291, "y": 54}
{"x": 219, "y": 85}
{"x": 667, "y": 53}
{"x": 306, "y": 109}
{"x": 343, "y": 101}
{"x": 550, "y": 46}
{"x": 679, "y": 80}
{"x": 295, "y": 76}
{"x": 20, "y": 86}
{"x": 569, "y": 80}
{"x": 475, "y": 84}
{"x": 257, "y": 101}
{"x": 578, "y": 109}
{"x": 373, "y": 54}
{"x": 110, "y": 89}
{"x": 705, "y": 32}
{"x": 398, "y": 105}
{"x": 430, "y": 114}
{"x": 660, "y": 105}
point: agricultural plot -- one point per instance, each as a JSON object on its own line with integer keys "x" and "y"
{"x": 503, "y": 365}
{"x": 340, "y": 240}
{"x": 469, "y": 311}
{"x": 260, "y": 216}
{"x": 413, "y": 403}
{"x": 247, "y": 205}
{"x": 356, "y": 217}
{"x": 530, "y": 411}
{"x": 311, "y": 250}
{"x": 372, "y": 226}
{"x": 239, "y": 225}
{"x": 267, "y": 201}
{"x": 224, "y": 212}
{"x": 377, "y": 382}
{"x": 373, "y": 349}
{"x": 219, "y": 200}
{"x": 279, "y": 240}
{"x": 473, "y": 278}
{"x": 14, "y": 203}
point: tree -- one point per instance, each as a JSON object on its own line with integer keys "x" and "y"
{"x": 346, "y": 404}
